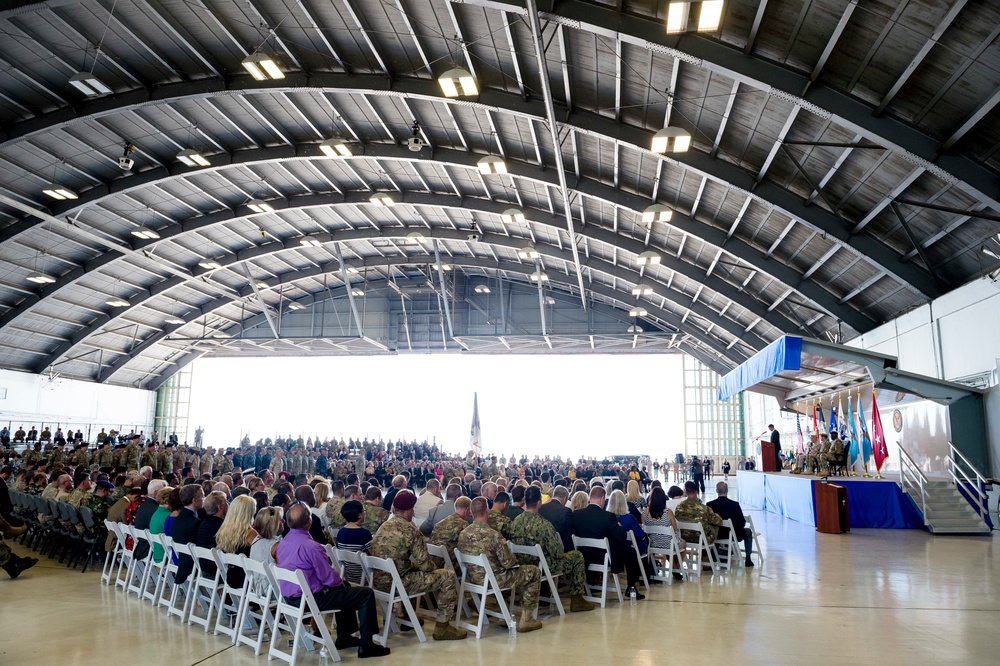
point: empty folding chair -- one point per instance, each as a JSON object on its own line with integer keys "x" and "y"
{"x": 536, "y": 551}
{"x": 757, "y": 550}
{"x": 480, "y": 593}
{"x": 639, "y": 557}
{"x": 603, "y": 568}
{"x": 387, "y": 600}
{"x": 205, "y": 590}
{"x": 141, "y": 567}
{"x": 115, "y": 556}
{"x": 291, "y": 618}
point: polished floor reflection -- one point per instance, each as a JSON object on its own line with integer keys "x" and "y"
{"x": 885, "y": 596}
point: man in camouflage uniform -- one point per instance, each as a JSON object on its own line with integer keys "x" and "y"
{"x": 836, "y": 449}
{"x": 105, "y": 457}
{"x": 399, "y": 540}
{"x": 446, "y": 532}
{"x": 224, "y": 462}
{"x": 481, "y": 539}
{"x": 165, "y": 460}
{"x": 692, "y": 510}
{"x": 80, "y": 457}
{"x": 10, "y": 562}
{"x": 277, "y": 465}
{"x": 130, "y": 458}
{"x": 530, "y": 529}
{"x": 58, "y": 457}
{"x": 100, "y": 502}
{"x": 19, "y": 435}
{"x": 33, "y": 455}
{"x": 375, "y": 515}
{"x": 207, "y": 463}
{"x": 497, "y": 520}
{"x": 148, "y": 457}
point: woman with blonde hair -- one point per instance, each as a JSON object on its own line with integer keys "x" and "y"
{"x": 636, "y": 502}
{"x": 580, "y": 500}
{"x": 322, "y": 491}
{"x": 268, "y": 524}
{"x": 236, "y": 534}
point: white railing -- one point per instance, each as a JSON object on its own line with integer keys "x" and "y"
{"x": 912, "y": 480}
{"x": 963, "y": 472}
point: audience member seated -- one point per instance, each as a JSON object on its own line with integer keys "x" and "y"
{"x": 429, "y": 500}
{"x": 185, "y": 528}
{"x": 442, "y": 510}
{"x": 353, "y": 537}
{"x": 375, "y": 515}
{"x": 446, "y": 532}
{"x": 593, "y": 522}
{"x": 727, "y": 509}
{"x": 693, "y": 510}
{"x": 159, "y": 519}
{"x": 657, "y": 513}
{"x": 497, "y": 518}
{"x": 237, "y": 534}
{"x": 618, "y": 505}
{"x": 268, "y": 524}
{"x": 556, "y": 512}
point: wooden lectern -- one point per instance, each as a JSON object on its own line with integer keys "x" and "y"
{"x": 832, "y": 515}
{"x": 767, "y": 460}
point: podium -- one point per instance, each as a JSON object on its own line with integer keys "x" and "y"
{"x": 768, "y": 463}
{"x": 832, "y": 515}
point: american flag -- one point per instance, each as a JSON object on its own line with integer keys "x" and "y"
{"x": 801, "y": 447}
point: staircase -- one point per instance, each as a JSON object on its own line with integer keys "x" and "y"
{"x": 948, "y": 512}
{"x": 945, "y": 509}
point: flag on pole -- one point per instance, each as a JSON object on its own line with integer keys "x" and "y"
{"x": 842, "y": 432}
{"x": 855, "y": 451}
{"x": 800, "y": 447}
{"x": 879, "y": 448}
{"x": 866, "y": 442}
{"x": 476, "y": 434}
{"x": 815, "y": 422}
{"x": 833, "y": 420}
{"x": 821, "y": 428}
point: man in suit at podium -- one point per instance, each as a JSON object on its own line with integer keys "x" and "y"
{"x": 776, "y": 440}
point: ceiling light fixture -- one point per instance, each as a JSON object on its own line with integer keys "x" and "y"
{"x": 382, "y": 199}
{"x": 637, "y": 312}
{"x": 117, "y": 302}
{"x": 648, "y": 258}
{"x": 145, "y": 233}
{"x": 296, "y": 306}
{"x": 260, "y": 206}
{"x": 491, "y": 164}
{"x": 482, "y": 289}
{"x": 262, "y": 67}
{"x": 89, "y": 85}
{"x": 192, "y": 158}
{"x": 512, "y": 216}
{"x": 656, "y": 213}
{"x": 704, "y": 16}
{"x": 60, "y": 193}
{"x": 528, "y": 253}
{"x": 671, "y": 140}
{"x": 415, "y": 237}
{"x": 310, "y": 242}
{"x": 263, "y": 285}
{"x": 538, "y": 276}
{"x": 335, "y": 148}
{"x": 634, "y": 329}
{"x": 642, "y": 290}
{"x": 987, "y": 251}
{"x": 41, "y": 278}
{"x": 210, "y": 265}
{"x": 549, "y": 300}
{"x": 458, "y": 82}
{"x": 444, "y": 267}
{"x": 351, "y": 270}
{"x": 176, "y": 321}
{"x": 357, "y": 292}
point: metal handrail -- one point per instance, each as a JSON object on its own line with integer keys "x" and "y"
{"x": 982, "y": 501}
{"x": 907, "y": 469}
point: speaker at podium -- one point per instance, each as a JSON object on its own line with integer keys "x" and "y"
{"x": 768, "y": 459}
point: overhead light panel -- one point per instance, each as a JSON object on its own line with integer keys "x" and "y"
{"x": 335, "y": 148}
{"x": 296, "y": 306}
{"x": 528, "y": 253}
{"x": 41, "y": 278}
{"x": 444, "y": 267}
{"x": 210, "y": 265}
{"x": 263, "y": 285}
{"x": 176, "y": 321}
{"x": 117, "y": 302}
{"x": 262, "y": 67}
{"x": 482, "y": 289}
{"x": 671, "y": 140}
{"x": 491, "y": 164}
{"x": 357, "y": 292}
{"x": 89, "y": 85}
{"x": 637, "y": 312}
{"x": 60, "y": 193}
{"x": 648, "y": 258}
{"x": 458, "y": 82}
{"x": 642, "y": 290}
{"x": 634, "y": 329}
{"x": 415, "y": 237}
{"x": 656, "y": 213}
{"x": 193, "y": 158}
{"x": 704, "y": 16}
{"x": 549, "y": 300}
{"x": 145, "y": 233}
{"x": 382, "y": 199}
{"x": 987, "y": 251}
{"x": 538, "y": 276}
{"x": 260, "y": 206}
{"x": 310, "y": 242}
{"x": 512, "y": 216}
{"x": 351, "y": 270}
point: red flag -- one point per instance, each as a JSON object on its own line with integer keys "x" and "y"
{"x": 879, "y": 449}
{"x": 815, "y": 422}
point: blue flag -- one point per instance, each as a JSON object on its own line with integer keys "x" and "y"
{"x": 855, "y": 452}
{"x": 866, "y": 442}
{"x": 821, "y": 429}
{"x": 833, "y": 422}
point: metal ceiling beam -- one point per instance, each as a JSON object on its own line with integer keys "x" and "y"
{"x": 755, "y": 27}
{"x": 971, "y": 122}
{"x": 832, "y": 42}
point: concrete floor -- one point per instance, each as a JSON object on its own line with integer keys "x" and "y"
{"x": 870, "y": 596}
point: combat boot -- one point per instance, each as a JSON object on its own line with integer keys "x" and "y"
{"x": 443, "y": 631}
{"x": 12, "y": 531}
{"x": 19, "y": 564}
{"x": 577, "y": 604}
{"x": 528, "y": 623}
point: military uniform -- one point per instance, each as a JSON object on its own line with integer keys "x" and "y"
{"x": 399, "y": 540}
{"x": 277, "y": 466}
{"x": 375, "y": 517}
{"x": 100, "y": 506}
{"x": 694, "y": 511}
{"x": 207, "y": 463}
{"x": 79, "y": 497}
{"x": 825, "y": 448}
{"x": 447, "y": 531}
{"x": 80, "y": 457}
{"x": 58, "y": 457}
{"x": 481, "y": 539}
{"x": 530, "y": 529}
{"x": 224, "y": 465}
{"x": 105, "y": 458}
{"x": 335, "y": 518}
{"x": 499, "y": 522}
{"x": 19, "y": 436}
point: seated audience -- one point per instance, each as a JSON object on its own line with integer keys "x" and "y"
{"x": 693, "y": 510}
{"x": 727, "y": 509}
{"x": 353, "y": 537}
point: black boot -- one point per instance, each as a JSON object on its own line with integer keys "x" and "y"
{"x": 19, "y": 564}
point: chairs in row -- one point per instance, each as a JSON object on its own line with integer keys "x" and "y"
{"x": 57, "y": 527}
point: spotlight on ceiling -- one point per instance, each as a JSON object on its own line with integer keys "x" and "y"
{"x": 296, "y": 306}
{"x": 538, "y": 276}
{"x": 310, "y": 242}
{"x": 704, "y": 16}
{"x": 512, "y": 216}
{"x": 656, "y": 213}
{"x": 176, "y": 321}
{"x": 89, "y": 85}
{"x": 262, "y": 67}
{"x": 458, "y": 82}
{"x": 357, "y": 292}
{"x": 442, "y": 266}
{"x": 192, "y": 158}
{"x": 648, "y": 258}
{"x": 491, "y": 164}
{"x": 671, "y": 140}
{"x": 382, "y": 199}
{"x": 548, "y": 300}
{"x": 145, "y": 233}
{"x": 416, "y": 237}
{"x": 527, "y": 253}
{"x": 637, "y": 312}
{"x": 335, "y": 148}
{"x": 642, "y": 290}
{"x": 482, "y": 289}
{"x": 117, "y": 302}
{"x": 208, "y": 264}
{"x": 634, "y": 329}
{"x": 60, "y": 193}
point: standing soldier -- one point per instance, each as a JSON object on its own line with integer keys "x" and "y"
{"x": 277, "y": 465}
{"x": 148, "y": 457}
{"x": 192, "y": 460}
{"x": 481, "y": 539}
{"x": 130, "y": 458}
{"x": 165, "y": 460}
{"x": 58, "y": 457}
{"x": 80, "y": 457}
{"x": 399, "y": 540}
{"x": 224, "y": 463}
{"x": 207, "y": 461}
{"x": 105, "y": 457}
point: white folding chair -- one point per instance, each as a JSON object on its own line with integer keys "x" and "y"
{"x": 639, "y": 557}
{"x": 137, "y": 570}
{"x": 350, "y": 563}
{"x": 205, "y": 587}
{"x": 440, "y": 552}
{"x": 756, "y": 542}
{"x": 604, "y": 569}
{"x": 331, "y": 553}
{"x": 168, "y": 569}
{"x": 397, "y": 594}
{"x": 231, "y": 598}
{"x": 480, "y": 593}
{"x": 664, "y": 572}
{"x": 535, "y": 550}
{"x": 696, "y": 552}
{"x": 295, "y": 618}
{"x": 729, "y": 548}
{"x": 156, "y": 570}
{"x": 116, "y": 556}
{"x": 258, "y": 592}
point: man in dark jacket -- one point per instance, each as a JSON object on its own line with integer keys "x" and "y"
{"x": 730, "y": 510}
{"x": 594, "y": 522}
{"x": 216, "y": 507}
{"x": 185, "y": 529}
{"x": 144, "y": 514}
{"x": 556, "y": 512}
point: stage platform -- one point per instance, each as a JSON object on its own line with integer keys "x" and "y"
{"x": 872, "y": 502}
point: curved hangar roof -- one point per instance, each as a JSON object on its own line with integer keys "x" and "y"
{"x": 842, "y": 167}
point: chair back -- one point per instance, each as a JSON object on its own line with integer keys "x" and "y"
{"x": 87, "y": 517}
{"x": 579, "y": 543}
{"x": 353, "y": 564}
{"x": 435, "y": 550}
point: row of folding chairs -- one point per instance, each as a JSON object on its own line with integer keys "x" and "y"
{"x": 721, "y": 555}
{"x": 56, "y": 527}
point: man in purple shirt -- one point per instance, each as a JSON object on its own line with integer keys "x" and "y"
{"x": 355, "y": 605}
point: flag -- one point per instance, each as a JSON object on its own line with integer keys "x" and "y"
{"x": 800, "y": 446}
{"x": 855, "y": 452}
{"x": 476, "y": 433}
{"x": 866, "y": 442}
{"x": 821, "y": 428}
{"x": 815, "y": 423}
{"x": 842, "y": 432}
{"x": 879, "y": 448}
{"x": 833, "y": 420}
